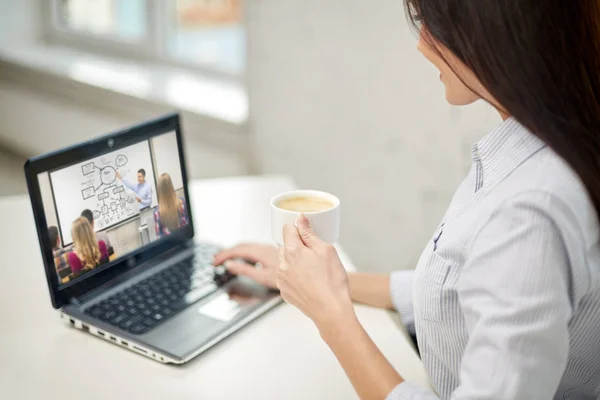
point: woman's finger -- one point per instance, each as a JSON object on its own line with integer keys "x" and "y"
{"x": 308, "y": 236}
{"x": 241, "y": 268}
{"x": 291, "y": 239}
{"x": 245, "y": 251}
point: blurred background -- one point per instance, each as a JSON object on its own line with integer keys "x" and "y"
{"x": 332, "y": 93}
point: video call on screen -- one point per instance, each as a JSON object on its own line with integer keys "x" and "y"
{"x": 106, "y": 207}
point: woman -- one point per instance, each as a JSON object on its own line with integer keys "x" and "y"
{"x": 88, "y": 253}
{"x": 171, "y": 212}
{"x": 505, "y": 299}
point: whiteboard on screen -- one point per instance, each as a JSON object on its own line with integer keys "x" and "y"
{"x": 93, "y": 185}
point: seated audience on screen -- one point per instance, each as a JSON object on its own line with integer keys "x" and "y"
{"x": 87, "y": 253}
{"x": 171, "y": 212}
{"x": 101, "y": 236}
{"x": 60, "y": 254}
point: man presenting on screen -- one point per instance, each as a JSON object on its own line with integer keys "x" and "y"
{"x": 143, "y": 190}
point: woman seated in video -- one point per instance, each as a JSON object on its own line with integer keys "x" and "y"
{"x": 88, "y": 253}
{"x": 171, "y": 212}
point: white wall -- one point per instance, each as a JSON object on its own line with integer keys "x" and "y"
{"x": 19, "y": 20}
{"x": 341, "y": 100}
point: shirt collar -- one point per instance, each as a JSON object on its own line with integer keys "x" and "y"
{"x": 501, "y": 151}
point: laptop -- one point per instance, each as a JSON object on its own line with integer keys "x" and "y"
{"x": 158, "y": 293}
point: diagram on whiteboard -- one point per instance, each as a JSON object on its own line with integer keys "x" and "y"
{"x": 113, "y": 202}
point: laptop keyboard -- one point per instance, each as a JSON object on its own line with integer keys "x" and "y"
{"x": 141, "y": 307}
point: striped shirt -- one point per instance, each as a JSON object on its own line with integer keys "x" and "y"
{"x": 505, "y": 299}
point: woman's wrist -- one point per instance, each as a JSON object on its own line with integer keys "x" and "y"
{"x": 338, "y": 323}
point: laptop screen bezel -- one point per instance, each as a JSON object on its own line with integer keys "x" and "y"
{"x": 62, "y": 294}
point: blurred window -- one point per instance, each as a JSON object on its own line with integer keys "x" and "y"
{"x": 208, "y": 32}
{"x": 203, "y": 34}
{"x": 116, "y": 19}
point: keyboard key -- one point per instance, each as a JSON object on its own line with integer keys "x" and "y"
{"x": 108, "y": 315}
{"x": 157, "y": 317}
{"x": 128, "y": 323}
{"x": 138, "y": 329}
{"x": 149, "y": 321}
{"x": 118, "y": 319}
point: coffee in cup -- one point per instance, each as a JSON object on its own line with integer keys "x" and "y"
{"x": 305, "y": 204}
{"x": 320, "y": 208}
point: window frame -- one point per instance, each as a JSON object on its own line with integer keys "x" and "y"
{"x": 152, "y": 48}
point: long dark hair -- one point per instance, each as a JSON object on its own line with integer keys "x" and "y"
{"x": 539, "y": 59}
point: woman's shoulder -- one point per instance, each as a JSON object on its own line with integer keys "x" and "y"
{"x": 548, "y": 184}
{"x": 551, "y": 174}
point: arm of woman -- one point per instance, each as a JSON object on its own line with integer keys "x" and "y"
{"x": 370, "y": 289}
{"x": 385, "y": 291}
{"x": 312, "y": 278}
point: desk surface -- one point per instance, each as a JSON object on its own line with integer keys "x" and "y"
{"x": 278, "y": 356}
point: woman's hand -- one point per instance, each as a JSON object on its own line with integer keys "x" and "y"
{"x": 312, "y": 278}
{"x": 264, "y": 255}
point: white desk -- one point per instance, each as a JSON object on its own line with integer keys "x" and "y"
{"x": 278, "y": 356}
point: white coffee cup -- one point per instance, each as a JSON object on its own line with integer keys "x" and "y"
{"x": 326, "y": 223}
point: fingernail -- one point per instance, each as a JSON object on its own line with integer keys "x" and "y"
{"x": 227, "y": 264}
{"x": 302, "y": 221}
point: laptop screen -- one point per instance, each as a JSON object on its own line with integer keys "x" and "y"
{"x": 109, "y": 206}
